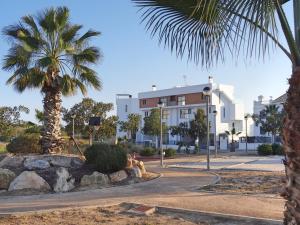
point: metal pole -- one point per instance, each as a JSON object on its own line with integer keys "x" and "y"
{"x": 207, "y": 141}
{"x": 246, "y": 134}
{"x": 161, "y": 140}
{"x": 216, "y": 147}
{"x": 297, "y": 22}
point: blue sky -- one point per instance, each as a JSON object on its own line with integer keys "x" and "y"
{"x": 133, "y": 61}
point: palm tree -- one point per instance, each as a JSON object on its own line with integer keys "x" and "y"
{"x": 205, "y": 29}
{"x": 232, "y": 133}
{"x": 47, "y": 52}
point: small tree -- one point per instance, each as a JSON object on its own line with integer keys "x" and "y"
{"x": 88, "y": 108}
{"x": 152, "y": 124}
{"x": 271, "y": 120}
{"x": 131, "y": 126}
{"x": 10, "y": 118}
{"x": 232, "y": 133}
{"x": 198, "y": 127}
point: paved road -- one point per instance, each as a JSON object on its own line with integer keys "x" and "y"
{"x": 176, "y": 188}
{"x": 272, "y": 163}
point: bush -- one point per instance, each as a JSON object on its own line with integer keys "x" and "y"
{"x": 147, "y": 152}
{"x": 106, "y": 158}
{"x": 169, "y": 152}
{"x": 277, "y": 149}
{"x": 264, "y": 149}
{"x": 33, "y": 130}
{"x": 26, "y": 143}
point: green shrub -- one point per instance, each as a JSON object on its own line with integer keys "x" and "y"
{"x": 26, "y": 143}
{"x": 277, "y": 149}
{"x": 106, "y": 158}
{"x": 147, "y": 152}
{"x": 264, "y": 149}
{"x": 169, "y": 152}
{"x": 33, "y": 130}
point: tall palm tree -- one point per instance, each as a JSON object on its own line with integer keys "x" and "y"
{"x": 46, "y": 52}
{"x": 205, "y": 29}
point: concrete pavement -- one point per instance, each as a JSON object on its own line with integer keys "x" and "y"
{"x": 176, "y": 188}
{"x": 267, "y": 163}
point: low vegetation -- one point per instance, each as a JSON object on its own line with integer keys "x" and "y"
{"x": 267, "y": 149}
{"x": 106, "y": 158}
{"x": 170, "y": 152}
{"x": 148, "y": 152}
{"x": 25, "y": 143}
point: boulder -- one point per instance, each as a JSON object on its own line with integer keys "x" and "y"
{"x": 64, "y": 161}
{"x": 129, "y": 161}
{"x": 64, "y": 182}
{"x": 12, "y": 161}
{"x": 29, "y": 180}
{"x": 6, "y": 177}
{"x": 32, "y": 164}
{"x": 141, "y": 165}
{"x": 118, "y": 176}
{"x": 96, "y": 180}
{"x": 134, "y": 172}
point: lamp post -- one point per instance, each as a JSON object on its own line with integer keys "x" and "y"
{"x": 206, "y": 93}
{"x": 215, "y": 112}
{"x": 160, "y": 106}
{"x": 73, "y": 125}
{"x": 246, "y": 120}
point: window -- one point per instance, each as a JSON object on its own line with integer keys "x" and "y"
{"x": 164, "y": 101}
{"x": 126, "y": 108}
{"x": 209, "y": 109}
{"x": 224, "y": 113}
{"x": 165, "y": 114}
{"x": 184, "y": 113}
{"x": 189, "y": 111}
{"x": 144, "y": 102}
{"x": 172, "y": 98}
{"x": 146, "y": 114}
{"x": 181, "y": 100}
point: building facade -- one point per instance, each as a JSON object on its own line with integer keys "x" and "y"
{"x": 179, "y": 106}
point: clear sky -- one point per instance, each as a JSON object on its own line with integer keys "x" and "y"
{"x": 133, "y": 61}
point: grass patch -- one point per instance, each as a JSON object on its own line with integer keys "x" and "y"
{"x": 3, "y": 148}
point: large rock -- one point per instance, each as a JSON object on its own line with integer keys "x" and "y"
{"x": 139, "y": 164}
{"x": 129, "y": 161}
{"x": 29, "y": 180}
{"x": 12, "y": 161}
{"x": 134, "y": 172}
{"x": 65, "y": 161}
{"x": 32, "y": 164}
{"x": 95, "y": 180}
{"x": 64, "y": 181}
{"x": 118, "y": 176}
{"x": 6, "y": 177}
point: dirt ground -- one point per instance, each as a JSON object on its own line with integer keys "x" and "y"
{"x": 248, "y": 182}
{"x": 114, "y": 215}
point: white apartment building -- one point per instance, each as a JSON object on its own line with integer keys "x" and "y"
{"x": 180, "y": 104}
{"x": 260, "y": 104}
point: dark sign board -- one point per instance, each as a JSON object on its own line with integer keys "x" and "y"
{"x": 94, "y": 121}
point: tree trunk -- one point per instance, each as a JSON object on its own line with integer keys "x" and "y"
{"x": 51, "y": 135}
{"x": 291, "y": 139}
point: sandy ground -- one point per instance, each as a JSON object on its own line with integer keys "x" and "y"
{"x": 114, "y": 215}
{"x": 248, "y": 182}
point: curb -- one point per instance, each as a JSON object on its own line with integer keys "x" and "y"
{"x": 233, "y": 217}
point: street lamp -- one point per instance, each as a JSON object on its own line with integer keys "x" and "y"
{"x": 206, "y": 93}
{"x": 73, "y": 125}
{"x": 215, "y": 112}
{"x": 160, "y": 106}
{"x": 246, "y": 120}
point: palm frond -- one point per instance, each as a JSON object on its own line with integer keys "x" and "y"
{"x": 203, "y": 29}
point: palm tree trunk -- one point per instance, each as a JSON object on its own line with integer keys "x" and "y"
{"x": 51, "y": 135}
{"x": 291, "y": 139}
